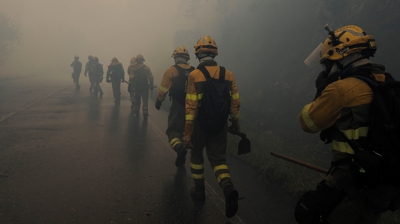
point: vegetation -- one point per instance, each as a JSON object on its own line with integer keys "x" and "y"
{"x": 275, "y": 84}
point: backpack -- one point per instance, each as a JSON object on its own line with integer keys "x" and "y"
{"x": 380, "y": 157}
{"x": 179, "y": 84}
{"x": 216, "y": 102}
{"x": 141, "y": 80}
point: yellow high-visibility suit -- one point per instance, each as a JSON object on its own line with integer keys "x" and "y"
{"x": 216, "y": 144}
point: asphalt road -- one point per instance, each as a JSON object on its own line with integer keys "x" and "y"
{"x": 69, "y": 157}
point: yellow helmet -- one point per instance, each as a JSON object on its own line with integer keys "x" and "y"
{"x": 181, "y": 52}
{"x": 206, "y": 45}
{"x": 96, "y": 59}
{"x": 140, "y": 58}
{"x": 114, "y": 59}
{"x": 346, "y": 41}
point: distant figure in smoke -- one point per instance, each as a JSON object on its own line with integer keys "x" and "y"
{"x": 115, "y": 75}
{"x": 130, "y": 80}
{"x": 88, "y": 66}
{"x": 96, "y": 73}
{"x": 142, "y": 81}
{"x": 77, "y": 67}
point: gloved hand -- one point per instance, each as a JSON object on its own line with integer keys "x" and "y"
{"x": 235, "y": 126}
{"x": 323, "y": 80}
{"x": 86, "y": 75}
{"x": 123, "y": 80}
{"x": 326, "y": 135}
{"x": 158, "y": 104}
{"x": 151, "y": 87}
{"x": 187, "y": 135}
{"x": 108, "y": 80}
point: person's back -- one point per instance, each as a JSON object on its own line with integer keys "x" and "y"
{"x": 142, "y": 81}
{"x": 115, "y": 75}
{"x": 215, "y": 142}
{"x": 96, "y": 73}
{"x": 77, "y": 68}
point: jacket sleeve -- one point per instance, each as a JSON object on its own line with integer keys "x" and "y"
{"x": 323, "y": 112}
{"x": 150, "y": 76}
{"x": 165, "y": 85}
{"x": 191, "y": 100}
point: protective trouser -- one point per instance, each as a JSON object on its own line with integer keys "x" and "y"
{"x": 92, "y": 79}
{"x": 215, "y": 145}
{"x": 116, "y": 87}
{"x": 141, "y": 94}
{"x": 176, "y": 124}
{"x": 350, "y": 210}
{"x": 75, "y": 78}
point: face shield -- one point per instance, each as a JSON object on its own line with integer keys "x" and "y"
{"x": 312, "y": 61}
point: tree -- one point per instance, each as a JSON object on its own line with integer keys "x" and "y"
{"x": 9, "y": 37}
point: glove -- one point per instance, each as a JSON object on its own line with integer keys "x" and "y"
{"x": 123, "y": 80}
{"x": 151, "y": 87}
{"x": 108, "y": 80}
{"x": 235, "y": 126}
{"x": 323, "y": 80}
{"x": 187, "y": 135}
{"x": 158, "y": 104}
{"x": 326, "y": 135}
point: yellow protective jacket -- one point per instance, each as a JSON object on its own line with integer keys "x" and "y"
{"x": 132, "y": 72}
{"x": 194, "y": 92}
{"x": 166, "y": 82}
{"x": 343, "y": 104}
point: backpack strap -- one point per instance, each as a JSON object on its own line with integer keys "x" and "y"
{"x": 181, "y": 70}
{"x": 207, "y": 74}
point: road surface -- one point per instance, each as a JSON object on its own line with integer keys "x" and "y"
{"x": 69, "y": 157}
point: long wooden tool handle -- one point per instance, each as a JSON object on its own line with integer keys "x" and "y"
{"x": 301, "y": 163}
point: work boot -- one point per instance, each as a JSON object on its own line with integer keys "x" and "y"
{"x": 101, "y": 94}
{"x": 231, "y": 201}
{"x": 180, "y": 155}
{"x": 198, "y": 193}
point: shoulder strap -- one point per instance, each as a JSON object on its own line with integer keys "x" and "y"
{"x": 221, "y": 74}
{"x": 207, "y": 74}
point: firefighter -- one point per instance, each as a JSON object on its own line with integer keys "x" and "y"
{"x": 88, "y": 67}
{"x": 174, "y": 81}
{"x": 131, "y": 91}
{"x": 77, "y": 68}
{"x": 115, "y": 75}
{"x": 340, "y": 112}
{"x": 142, "y": 81}
{"x": 96, "y": 72}
{"x": 196, "y": 137}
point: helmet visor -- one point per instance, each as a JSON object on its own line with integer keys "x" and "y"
{"x": 312, "y": 61}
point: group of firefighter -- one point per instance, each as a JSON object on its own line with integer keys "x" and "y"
{"x": 340, "y": 106}
{"x": 140, "y": 79}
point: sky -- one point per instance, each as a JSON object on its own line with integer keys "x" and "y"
{"x": 54, "y": 31}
